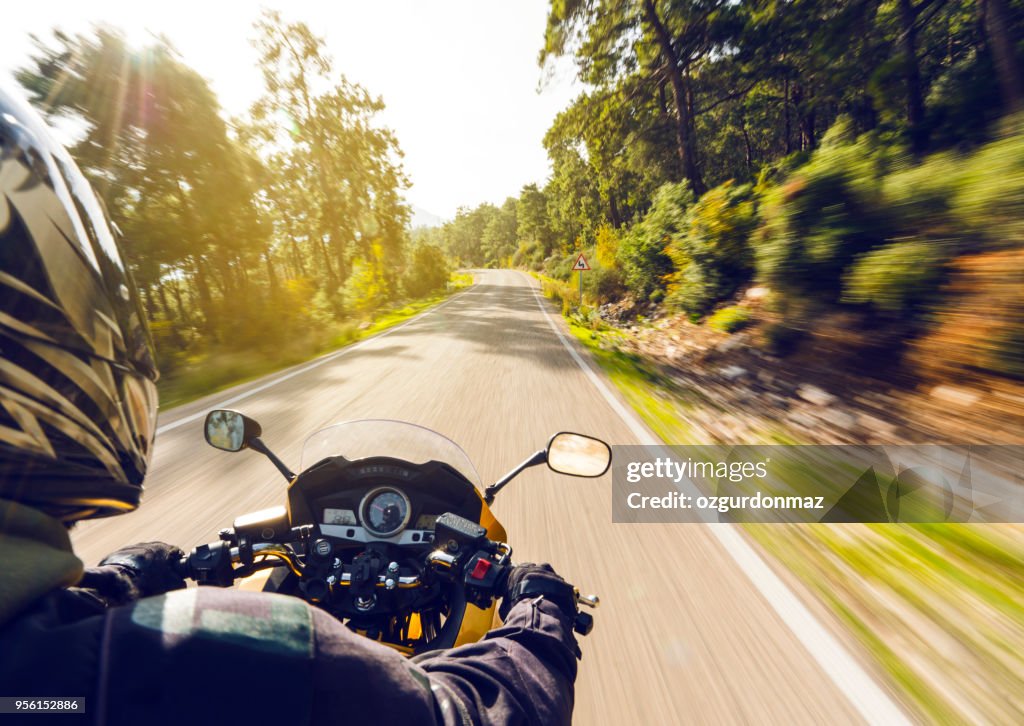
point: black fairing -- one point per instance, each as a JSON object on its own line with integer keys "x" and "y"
{"x": 433, "y": 487}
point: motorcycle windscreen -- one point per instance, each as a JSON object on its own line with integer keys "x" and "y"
{"x": 369, "y": 438}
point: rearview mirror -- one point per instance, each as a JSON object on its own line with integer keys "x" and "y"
{"x": 578, "y": 455}
{"x": 229, "y": 430}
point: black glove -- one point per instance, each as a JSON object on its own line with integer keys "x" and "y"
{"x": 151, "y": 567}
{"x": 530, "y": 580}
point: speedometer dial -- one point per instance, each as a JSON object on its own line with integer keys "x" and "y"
{"x": 385, "y": 512}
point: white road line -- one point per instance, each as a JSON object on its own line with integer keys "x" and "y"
{"x": 299, "y": 371}
{"x": 873, "y": 703}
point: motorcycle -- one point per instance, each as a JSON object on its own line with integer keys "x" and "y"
{"x": 387, "y": 527}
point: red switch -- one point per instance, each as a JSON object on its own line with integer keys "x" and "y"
{"x": 480, "y": 569}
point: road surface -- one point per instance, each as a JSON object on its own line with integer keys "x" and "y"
{"x": 683, "y": 635}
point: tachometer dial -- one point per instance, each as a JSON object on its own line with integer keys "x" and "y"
{"x": 385, "y": 512}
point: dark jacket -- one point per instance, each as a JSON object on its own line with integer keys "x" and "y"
{"x": 205, "y": 655}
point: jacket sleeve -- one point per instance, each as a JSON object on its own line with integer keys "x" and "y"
{"x": 521, "y": 673}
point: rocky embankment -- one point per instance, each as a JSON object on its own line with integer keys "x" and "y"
{"x": 818, "y": 392}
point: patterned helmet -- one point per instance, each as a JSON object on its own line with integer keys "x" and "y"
{"x": 77, "y": 395}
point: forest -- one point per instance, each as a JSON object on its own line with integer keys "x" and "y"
{"x": 248, "y": 237}
{"x": 846, "y": 154}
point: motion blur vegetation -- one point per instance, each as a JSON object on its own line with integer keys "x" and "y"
{"x": 845, "y": 155}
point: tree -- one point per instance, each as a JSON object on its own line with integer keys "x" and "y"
{"x": 318, "y": 130}
{"x": 999, "y": 28}
{"x": 668, "y": 41}
{"x": 499, "y": 236}
{"x": 157, "y": 150}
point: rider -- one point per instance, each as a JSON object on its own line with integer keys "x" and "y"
{"x": 77, "y": 420}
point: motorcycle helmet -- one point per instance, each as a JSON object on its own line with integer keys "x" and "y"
{"x": 77, "y": 374}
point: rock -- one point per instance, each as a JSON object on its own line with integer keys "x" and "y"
{"x": 815, "y": 395}
{"x": 757, "y": 293}
{"x": 838, "y": 418}
{"x": 731, "y": 373}
{"x": 777, "y": 403}
{"x": 766, "y": 377}
{"x": 955, "y": 395}
{"x": 875, "y": 425}
{"x": 732, "y": 343}
{"x": 801, "y": 418}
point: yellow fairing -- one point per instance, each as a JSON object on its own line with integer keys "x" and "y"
{"x": 254, "y": 582}
{"x": 495, "y": 531}
{"x": 477, "y": 622}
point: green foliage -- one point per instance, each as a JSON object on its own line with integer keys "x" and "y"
{"x": 989, "y": 195}
{"x": 729, "y": 320}
{"x": 562, "y": 292}
{"x": 712, "y": 255}
{"x": 899, "y": 277}
{"x": 530, "y": 254}
{"x": 604, "y": 284}
{"x": 606, "y": 248}
{"x": 642, "y": 257}
{"x": 259, "y": 231}
{"x": 366, "y": 289}
{"x": 427, "y": 273}
{"x": 559, "y": 266}
{"x": 829, "y": 212}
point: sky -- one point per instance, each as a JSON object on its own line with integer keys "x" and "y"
{"x": 460, "y": 80}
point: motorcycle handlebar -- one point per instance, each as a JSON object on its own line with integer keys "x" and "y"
{"x": 212, "y": 564}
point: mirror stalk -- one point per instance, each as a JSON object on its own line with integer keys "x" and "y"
{"x": 256, "y": 444}
{"x": 538, "y": 458}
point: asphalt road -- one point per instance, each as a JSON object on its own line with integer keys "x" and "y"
{"x": 683, "y": 634}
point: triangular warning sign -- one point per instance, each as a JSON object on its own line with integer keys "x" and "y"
{"x": 581, "y": 263}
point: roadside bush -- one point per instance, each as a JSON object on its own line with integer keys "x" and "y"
{"x": 559, "y": 266}
{"x": 366, "y": 289}
{"x": 989, "y": 194}
{"x": 641, "y": 255}
{"x": 604, "y": 285}
{"x": 606, "y": 248}
{"x": 712, "y": 256}
{"x": 729, "y": 320}
{"x": 561, "y": 292}
{"x": 897, "y": 278}
{"x": 828, "y": 213}
{"x": 919, "y": 197}
{"x": 529, "y": 255}
{"x": 427, "y": 272}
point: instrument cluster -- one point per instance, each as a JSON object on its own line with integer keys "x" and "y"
{"x": 383, "y": 513}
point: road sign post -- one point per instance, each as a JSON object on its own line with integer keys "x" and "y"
{"x": 580, "y": 265}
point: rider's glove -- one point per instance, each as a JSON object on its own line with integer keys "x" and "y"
{"x": 529, "y": 580}
{"x": 151, "y": 567}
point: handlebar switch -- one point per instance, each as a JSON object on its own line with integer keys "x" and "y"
{"x": 210, "y": 564}
{"x": 453, "y": 528}
{"x": 482, "y": 575}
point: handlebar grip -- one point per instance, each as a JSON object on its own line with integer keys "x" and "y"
{"x": 182, "y": 568}
{"x": 583, "y": 623}
{"x": 208, "y": 564}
